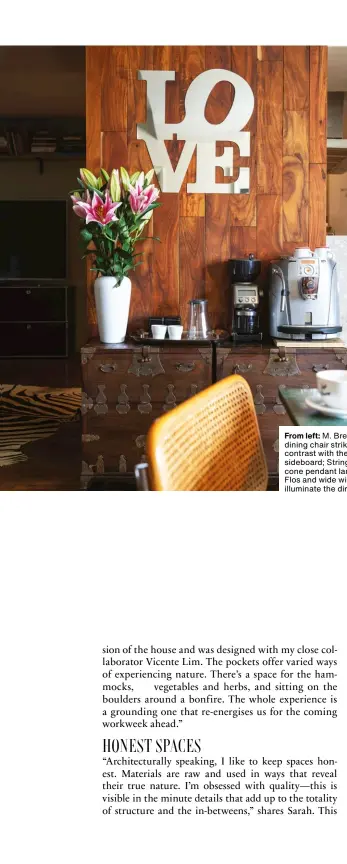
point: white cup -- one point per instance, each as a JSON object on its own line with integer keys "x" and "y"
{"x": 158, "y": 331}
{"x": 175, "y": 331}
{"x": 332, "y": 387}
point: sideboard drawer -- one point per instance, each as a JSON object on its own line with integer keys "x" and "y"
{"x": 160, "y": 377}
{"x": 268, "y": 369}
{"x": 115, "y": 442}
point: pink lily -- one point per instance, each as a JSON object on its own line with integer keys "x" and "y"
{"x": 140, "y": 198}
{"x": 96, "y": 210}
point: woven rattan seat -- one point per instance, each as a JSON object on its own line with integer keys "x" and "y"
{"x": 210, "y": 442}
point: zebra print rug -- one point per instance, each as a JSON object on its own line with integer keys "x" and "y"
{"x": 30, "y": 413}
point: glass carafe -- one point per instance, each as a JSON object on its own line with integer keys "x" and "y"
{"x": 198, "y": 320}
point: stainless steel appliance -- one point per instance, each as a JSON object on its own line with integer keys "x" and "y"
{"x": 304, "y": 300}
{"x": 245, "y": 298}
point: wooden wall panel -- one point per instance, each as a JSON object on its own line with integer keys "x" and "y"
{"x": 114, "y": 150}
{"x": 269, "y": 226}
{"x": 318, "y": 182}
{"x": 270, "y": 53}
{"x": 318, "y": 104}
{"x": 295, "y": 177}
{"x": 164, "y": 287}
{"x": 191, "y": 262}
{"x": 218, "y": 252}
{"x": 269, "y": 127}
{"x": 243, "y": 242}
{"x": 114, "y": 111}
{"x": 199, "y": 233}
{"x": 296, "y": 78}
{"x": 136, "y": 90}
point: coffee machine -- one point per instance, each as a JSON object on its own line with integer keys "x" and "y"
{"x": 303, "y": 299}
{"x": 244, "y": 273}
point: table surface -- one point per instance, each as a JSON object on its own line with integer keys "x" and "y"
{"x": 293, "y": 399}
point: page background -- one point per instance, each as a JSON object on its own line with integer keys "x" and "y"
{"x": 182, "y": 581}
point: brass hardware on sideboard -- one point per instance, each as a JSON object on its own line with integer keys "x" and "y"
{"x": 241, "y": 367}
{"x": 282, "y": 364}
{"x": 146, "y": 361}
{"x": 185, "y": 367}
{"x": 108, "y": 367}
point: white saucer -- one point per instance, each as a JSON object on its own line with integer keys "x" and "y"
{"x": 318, "y": 405}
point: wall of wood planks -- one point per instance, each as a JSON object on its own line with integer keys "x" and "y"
{"x": 199, "y": 233}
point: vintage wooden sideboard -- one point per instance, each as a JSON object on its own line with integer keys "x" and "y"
{"x": 126, "y": 387}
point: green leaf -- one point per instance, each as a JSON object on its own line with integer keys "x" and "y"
{"x": 151, "y": 207}
{"x": 86, "y": 235}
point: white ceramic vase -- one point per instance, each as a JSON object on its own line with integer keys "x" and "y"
{"x": 112, "y": 307}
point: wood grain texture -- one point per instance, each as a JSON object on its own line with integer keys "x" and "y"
{"x": 286, "y": 205}
{"x": 243, "y": 61}
{"x": 191, "y": 262}
{"x": 269, "y": 127}
{"x": 296, "y": 78}
{"x": 165, "y": 273}
{"x": 270, "y": 53}
{"x": 243, "y": 207}
{"x": 243, "y": 242}
{"x": 318, "y": 104}
{"x": 269, "y": 226}
{"x": 136, "y": 90}
{"x": 317, "y": 218}
{"x": 114, "y": 106}
{"x": 218, "y": 240}
{"x": 295, "y": 176}
{"x": 114, "y": 150}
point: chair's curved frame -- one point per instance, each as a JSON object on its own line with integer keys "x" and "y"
{"x": 161, "y": 429}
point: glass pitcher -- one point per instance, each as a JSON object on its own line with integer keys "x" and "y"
{"x": 198, "y": 320}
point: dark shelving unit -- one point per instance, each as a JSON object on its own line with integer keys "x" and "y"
{"x": 67, "y": 135}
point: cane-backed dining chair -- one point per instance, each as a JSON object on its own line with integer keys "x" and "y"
{"x": 210, "y": 442}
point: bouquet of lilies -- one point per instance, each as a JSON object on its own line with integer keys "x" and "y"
{"x": 115, "y": 210}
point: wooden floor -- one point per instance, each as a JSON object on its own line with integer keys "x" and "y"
{"x": 53, "y": 463}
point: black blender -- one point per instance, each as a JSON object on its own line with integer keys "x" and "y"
{"x": 244, "y": 273}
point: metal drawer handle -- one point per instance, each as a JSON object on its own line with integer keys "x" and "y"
{"x": 28, "y": 291}
{"x": 185, "y": 367}
{"x": 108, "y": 367}
{"x": 241, "y": 367}
{"x": 28, "y": 326}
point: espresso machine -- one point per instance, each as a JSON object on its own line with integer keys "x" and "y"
{"x": 244, "y": 273}
{"x": 304, "y": 299}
